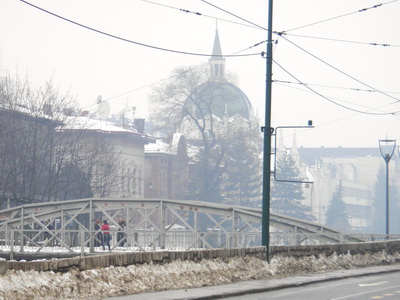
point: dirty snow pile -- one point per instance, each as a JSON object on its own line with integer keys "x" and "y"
{"x": 116, "y": 281}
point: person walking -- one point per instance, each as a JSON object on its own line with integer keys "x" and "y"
{"x": 99, "y": 236}
{"x": 105, "y": 228}
{"x": 121, "y": 234}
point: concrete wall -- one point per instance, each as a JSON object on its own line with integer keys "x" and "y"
{"x": 328, "y": 249}
{"x": 162, "y": 257}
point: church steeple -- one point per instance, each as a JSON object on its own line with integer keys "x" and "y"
{"x": 294, "y": 151}
{"x": 217, "y": 61}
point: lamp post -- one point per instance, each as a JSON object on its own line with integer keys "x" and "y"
{"x": 387, "y": 148}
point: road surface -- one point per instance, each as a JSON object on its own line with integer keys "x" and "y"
{"x": 382, "y": 286}
{"x": 380, "y": 282}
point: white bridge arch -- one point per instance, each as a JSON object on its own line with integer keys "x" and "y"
{"x": 150, "y": 224}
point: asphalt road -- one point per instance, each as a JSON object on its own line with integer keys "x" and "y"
{"x": 382, "y": 286}
{"x": 380, "y": 282}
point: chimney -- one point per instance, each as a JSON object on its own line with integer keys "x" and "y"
{"x": 139, "y": 125}
{"x": 47, "y": 110}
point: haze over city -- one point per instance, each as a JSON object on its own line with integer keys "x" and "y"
{"x": 335, "y": 63}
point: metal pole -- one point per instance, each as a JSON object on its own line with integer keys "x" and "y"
{"x": 267, "y": 130}
{"x": 387, "y": 148}
{"x": 387, "y": 196}
{"x": 91, "y": 227}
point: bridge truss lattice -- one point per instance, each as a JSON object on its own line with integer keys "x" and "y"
{"x": 151, "y": 224}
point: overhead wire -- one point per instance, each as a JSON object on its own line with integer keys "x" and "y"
{"x": 280, "y": 34}
{"x": 330, "y": 100}
{"x": 331, "y": 86}
{"x": 198, "y": 14}
{"x": 341, "y": 16}
{"x": 339, "y": 40}
{"x": 326, "y": 20}
{"x": 312, "y": 90}
{"x": 283, "y": 83}
{"x": 232, "y": 14}
{"x": 340, "y": 71}
{"x": 130, "y": 41}
{"x": 200, "y": 54}
{"x": 125, "y": 93}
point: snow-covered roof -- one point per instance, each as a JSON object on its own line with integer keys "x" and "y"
{"x": 84, "y": 123}
{"x": 158, "y": 147}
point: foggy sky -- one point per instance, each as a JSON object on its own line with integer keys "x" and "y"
{"x": 344, "y": 73}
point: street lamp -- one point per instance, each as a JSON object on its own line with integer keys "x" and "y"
{"x": 387, "y": 148}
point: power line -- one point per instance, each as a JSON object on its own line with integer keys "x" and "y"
{"x": 340, "y": 71}
{"x": 130, "y": 41}
{"x": 232, "y": 14}
{"x": 255, "y": 45}
{"x": 339, "y": 40}
{"x": 330, "y": 100}
{"x": 333, "y": 87}
{"x": 197, "y": 13}
{"x": 139, "y": 88}
{"x": 171, "y": 7}
{"x": 341, "y": 16}
{"x": 340, "y": 100}
{"x": 320, "y": 38}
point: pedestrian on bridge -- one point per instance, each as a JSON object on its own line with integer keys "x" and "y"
{"x": 105, "y": 228}
{"x": 99, "y": 236}
{"x": 121, "y": 235}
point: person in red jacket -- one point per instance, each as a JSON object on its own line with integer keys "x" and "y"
{"x": 105, "y": 228}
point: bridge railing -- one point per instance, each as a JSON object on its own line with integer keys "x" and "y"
{"x": 82, "y": 241}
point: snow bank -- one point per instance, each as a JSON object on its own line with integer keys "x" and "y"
{"x": 116, "y": 281}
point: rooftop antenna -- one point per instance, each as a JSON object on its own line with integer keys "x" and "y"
{"x": 99, "y": 98}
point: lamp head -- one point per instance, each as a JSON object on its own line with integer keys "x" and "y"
{"x": 387, "y": 148}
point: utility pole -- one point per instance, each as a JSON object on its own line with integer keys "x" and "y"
{"x": 268, "y": 131}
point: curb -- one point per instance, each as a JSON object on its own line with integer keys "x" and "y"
{"x": 302, "y": 281}
{"x": 241, "y": 288}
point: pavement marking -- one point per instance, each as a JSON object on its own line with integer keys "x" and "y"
{"x": 372, "y": 284}
{"x": 388, "y": 294}
{"x": 377, "y": 297}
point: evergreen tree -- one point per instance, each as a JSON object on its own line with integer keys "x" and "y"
{"x": 336, "y": 215}
{"x": 379, "y": 206}
{"x": 242, "y": 180}
{"x": 287, "y": 197}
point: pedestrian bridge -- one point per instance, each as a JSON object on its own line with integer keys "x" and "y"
{"x": 151, "y": 224}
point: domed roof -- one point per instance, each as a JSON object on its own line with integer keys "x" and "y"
{"x": 218, "y": 98}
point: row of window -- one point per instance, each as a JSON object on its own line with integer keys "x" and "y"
{"x": 131, "y": 182}
{"x": 357, "y": 193}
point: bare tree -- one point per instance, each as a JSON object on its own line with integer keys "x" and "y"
{"x": 39, "y": 160}
{"x": 29, "y": 119}
{"x": 194, "y": 103}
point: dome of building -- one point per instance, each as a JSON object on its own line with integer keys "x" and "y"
{"x": 217, "y": 97}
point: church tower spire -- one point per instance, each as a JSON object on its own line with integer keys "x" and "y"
{"x": 294, "y": 152}
{"x": 217, "y": 61}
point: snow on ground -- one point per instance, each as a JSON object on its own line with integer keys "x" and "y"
{"x": 116, "y": 281}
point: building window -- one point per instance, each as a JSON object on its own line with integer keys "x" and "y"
{"x": 128, "y": 182}
{"x": 122, "y": 180}
{"x": 139, "y": 185}
{"x": 134, "y": 181}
